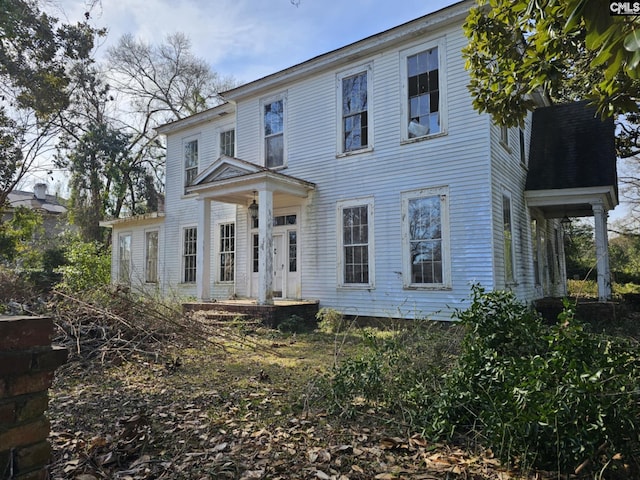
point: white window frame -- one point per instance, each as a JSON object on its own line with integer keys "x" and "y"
{"x": 220, "y": 251}
{"x": 185, "y": 141}
{"x": 146, "y": 256}
{"x": 351, "y": 203}
{"x": 125, "y": 277}
{"x": 440, "y": 44}
{"x": 443, "y": 193}
{"x": 183, "y": 263}
{"x": 368, "y": 70}
{"x": 263, "y": 103}
{"x": 506, "y": 196}
{"x": 224, "y": 131}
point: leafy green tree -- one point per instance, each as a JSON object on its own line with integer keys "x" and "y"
{"x": 568, "y": 48}
{"x": 624, "y": 253}
{"x": 19, "y": 237}
{"x": 88, "y": 265}
{"x": 98, "y": 163}
{"x": 580, "y": 251}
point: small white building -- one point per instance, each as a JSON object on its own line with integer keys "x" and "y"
{"x": 362, "y": 178}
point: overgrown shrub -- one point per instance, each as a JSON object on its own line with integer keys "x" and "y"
{"x": 330, "y": 320}
{"x": 398, "y": 372}
{"x": 548, "y": 397}
{"x": 88, "y": 265}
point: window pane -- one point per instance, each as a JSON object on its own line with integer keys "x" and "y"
{"x": 274, "y": 151}
{"x": 151, "y": 270}
{"x": 508, "y": 240}
{"x": 227, "y": 143}
{"x": 227, "y": 252}
{"x": 355, "y": 240}
{"x": 255, "y": 253}
{"x": 354, "y": 94}
{"x": 293, "y": 251}
{"x": 354, "y": 112}
{"x": 423, "y": 93}
{"x": 273, "y": 118}
{"x": 425, "y": 239}
{"x": 124, "y": 274}
{"x": 190, "y": 162}
{"x": 189, "y": 255}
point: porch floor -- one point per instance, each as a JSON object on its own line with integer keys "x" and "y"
{"x": 269, "y": 315}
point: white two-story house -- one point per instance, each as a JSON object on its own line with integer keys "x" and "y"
{"x": 362, "y": 178}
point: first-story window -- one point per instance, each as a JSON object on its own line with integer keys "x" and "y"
{"x": 355, "y": 219}
{"x": 227, "y": 252}
{"x": 509, "y": 264}
{"x": 425, "y": 238}
{"x": 124, "y": 258}
{"x": 535, "y": 251}
{"x": 189, "y": 250}
{"x": 151, "y": 257}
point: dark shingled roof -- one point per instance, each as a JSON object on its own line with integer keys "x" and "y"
{"x": 571, "y": 147}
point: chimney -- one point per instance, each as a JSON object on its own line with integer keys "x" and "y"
{"x": 40, "y": 191}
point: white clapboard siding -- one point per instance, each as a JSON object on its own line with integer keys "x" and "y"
{"x": 468, "y": 160}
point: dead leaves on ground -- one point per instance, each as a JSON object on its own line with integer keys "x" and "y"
{"x": 176, "y": 441}
{"x": 142, "y": 420}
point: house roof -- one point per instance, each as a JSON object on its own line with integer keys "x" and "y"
{"x": 50, "y": 204}
{"x": 208, "y": 115}
{"x": 572, "y": 160}
{"x": 144, "y": 219}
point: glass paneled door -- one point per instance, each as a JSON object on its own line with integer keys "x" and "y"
{"x": 286, "y": 276}
{"x": 279, "y": 255}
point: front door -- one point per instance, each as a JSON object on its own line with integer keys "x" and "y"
{"x": 278, "y": 265}
{"x": 285, "y": 268}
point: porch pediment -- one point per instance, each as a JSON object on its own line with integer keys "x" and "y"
{"x": 225, "y": 168}
{"x": 233, "y": 180}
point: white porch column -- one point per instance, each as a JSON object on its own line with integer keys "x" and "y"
{"x": 265, "y": 247}
{"x": 602, "y": 252}
{"x": 203, "y": 250}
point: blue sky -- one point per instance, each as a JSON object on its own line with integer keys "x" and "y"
{"x": 249, "y": 39}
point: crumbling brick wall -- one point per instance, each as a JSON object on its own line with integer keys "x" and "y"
{"x": 27, "y": 365}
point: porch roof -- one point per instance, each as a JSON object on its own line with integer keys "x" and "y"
{"x": 233, "y": 180}
{"x": 572, "y": 161}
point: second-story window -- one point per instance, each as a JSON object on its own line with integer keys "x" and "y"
{"x": 190, "y": 162}
{"x": 423, "y": 93}
{"x": 228, "y": 143}
{"x": 274, "y": 133}
{"x": 355, "y": 121}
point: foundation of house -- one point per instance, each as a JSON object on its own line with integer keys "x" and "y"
{"x": 269, "y": 315}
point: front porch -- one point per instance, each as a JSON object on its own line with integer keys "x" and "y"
{"x": 270, "y": 315}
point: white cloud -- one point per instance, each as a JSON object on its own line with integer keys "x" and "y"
{"x": 250, "y": 38}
